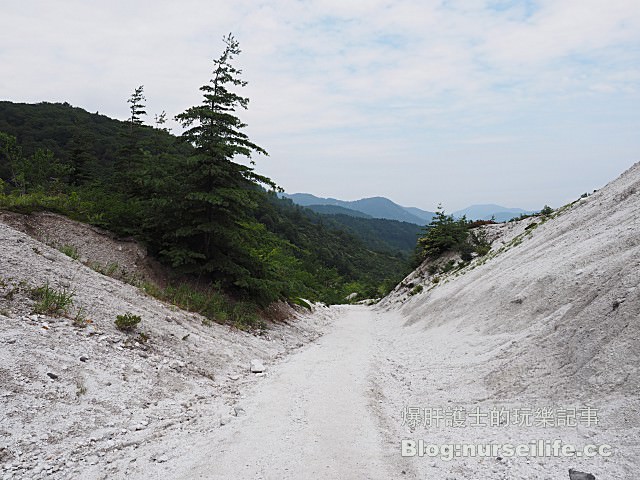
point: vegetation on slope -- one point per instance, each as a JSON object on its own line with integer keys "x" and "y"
{"x": 445, "y": 234}
{"x": 208, "y": 217}
{"x": 379, "y": 233}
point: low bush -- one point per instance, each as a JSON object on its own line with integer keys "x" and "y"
{"x": 127, "y": 322}
{"x": 70, "y": 251}
{"x": 416, "y": 290}
{"x": 50, "y": 301}
{"x": 547, "y": 210}
{"x": 209, "y": 302}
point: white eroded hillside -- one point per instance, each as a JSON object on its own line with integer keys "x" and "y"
{"x": 546, "y": 323}
{"x": 551, "y": 319}
{"x": 78, "y": 402}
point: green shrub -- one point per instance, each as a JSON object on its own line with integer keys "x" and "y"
{"x": 50, "y": 301}
{"x": 245, "y": 314}
{"x": 70, "y": 251}
{"x": 443, "y": 234}
{"x": 547, "y": 210}
{"x": 447, "y": 267}
{"x": 210, "y": 302}
{"x": 127, "y": 322}
{"x": 301, "y": 302}
{"x": 415, "y": 290}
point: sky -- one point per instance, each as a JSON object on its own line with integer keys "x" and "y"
{"x": 517, "y": 102}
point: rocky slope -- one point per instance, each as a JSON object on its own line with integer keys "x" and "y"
{"x": 549, "y": 318}
{"x": 77, "y": 402}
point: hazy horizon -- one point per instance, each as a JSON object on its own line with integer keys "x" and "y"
{"x": 521, "y": 103}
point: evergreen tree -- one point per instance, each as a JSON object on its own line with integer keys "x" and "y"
{"x": 443, "y": 234}
{"x": 137, "y": 107}
{"x": 216, "y": 195}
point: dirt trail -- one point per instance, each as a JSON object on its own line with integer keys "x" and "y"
{"x": 312, "y": 418}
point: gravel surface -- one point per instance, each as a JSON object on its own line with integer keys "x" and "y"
{"x": 79, "y": 402}
{"x": 546, "y": 323}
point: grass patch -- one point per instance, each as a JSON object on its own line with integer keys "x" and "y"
{"x": 70, "y": 251}
{"x": 301, "y": 302}
{"x": 416, "y": 290}
{"x": 210, "y": 302}
{"x": 50, "y": 301}
{"x": 127, "y": 322}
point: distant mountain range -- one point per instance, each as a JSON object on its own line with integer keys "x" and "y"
{"x": 489, "y": 211}
{"x": 336, "y": 210}
{"x": 380, "y": 207}
{"x": 375, "y": 207}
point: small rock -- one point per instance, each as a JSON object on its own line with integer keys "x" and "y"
{"x": 162, "y": 459}
{"x": 11, "y": 341}
{"x": 52, "y": 376}
{"x": 83, "y": 358}
{"x": 257, "y": 366}
{"x": 225, "y": 420}
{"x": 176, "y": 365}
{"x": 238, "y": 411}
{"x": 234, "y": 377}
{"x": 137, "y": 369}
{"x": 577, "y": 475}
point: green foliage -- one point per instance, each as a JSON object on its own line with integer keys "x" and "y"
{"x": 80, "y": 319}
{"x": 127, "y": 322}
{"x": 137, "y": 107}
{"x": 443, "y": 234}
{"x": 70, "y": 251}
{"x": 210, "y": 302}
{"x": 301, "y": 302}
{"x": 416, "y": 290}
{"x": 547, "y": 210}
{"x": 216, "y": 195}
{"x": 194, "y": 206}
{"x": 479, "y": 240}
{"x": 50, "y": 301}
{"x": 37, "y": 172}
{"x": 377, "y": 233}
{"x": 447, "y": 267}
{"x": 483, "y": 249}
{"x": 446, "y": 234}
{"x": 66, "y": 204}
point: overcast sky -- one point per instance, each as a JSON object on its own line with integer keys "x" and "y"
{"x": 521, "y": 103}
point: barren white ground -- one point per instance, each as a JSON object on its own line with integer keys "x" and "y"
{"x": 549, "y": 319}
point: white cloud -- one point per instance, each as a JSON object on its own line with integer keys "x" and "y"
{"x": 404, "y": 86}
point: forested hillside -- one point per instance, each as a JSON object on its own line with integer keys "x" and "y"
{"x": 197, "y": 210}
{"x": 379, "y": 233}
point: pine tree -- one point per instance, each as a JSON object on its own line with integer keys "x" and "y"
{"x": 137, "y": 108}
{"x": 216, "y": 195}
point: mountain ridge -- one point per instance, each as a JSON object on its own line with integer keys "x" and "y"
{"x": 376, "y": 207}
{"x": 384, "y": 208}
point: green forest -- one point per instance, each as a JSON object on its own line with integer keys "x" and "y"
{"x": 212, "y": 220}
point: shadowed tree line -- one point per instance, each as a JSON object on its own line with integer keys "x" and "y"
{"x": 188, "y": 198}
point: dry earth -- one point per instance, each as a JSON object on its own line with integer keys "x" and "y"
{"x": 111, "y": 391}
{"x": 546, "y": 322}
